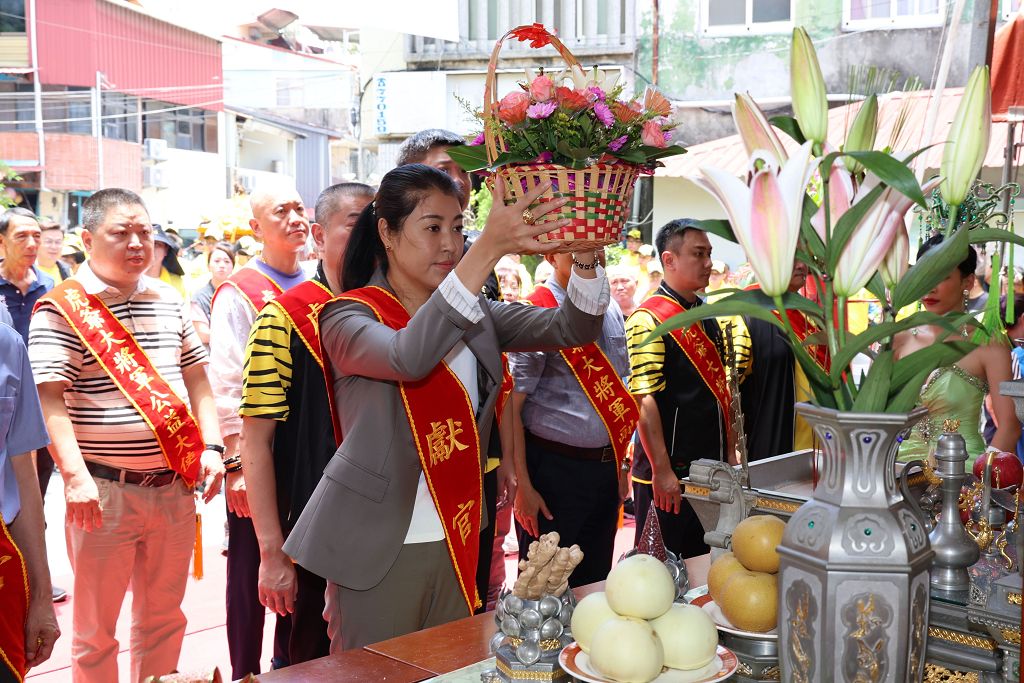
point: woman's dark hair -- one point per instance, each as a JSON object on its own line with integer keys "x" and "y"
{"x": 966, "y": 267}
{"x": 226, "y": 247}
{"x": 399, "y": 193}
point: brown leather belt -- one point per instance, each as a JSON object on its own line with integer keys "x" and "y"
{"x": 146, "y": 479}
{"x": 606, "y": 454}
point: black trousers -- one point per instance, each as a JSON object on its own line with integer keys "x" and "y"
{"x": 308, "y": 638}
{"x": 683, "y": 533}
{"x": 583, "y": 497}
{"x": 483, "y": 565}
{"x": 44, "y": 469}
{"x": 245, "y": 614}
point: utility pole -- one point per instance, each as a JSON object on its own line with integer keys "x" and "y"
{"x": 654, "y": 46}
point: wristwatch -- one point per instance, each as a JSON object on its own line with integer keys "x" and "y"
{"x": 215, "y": 447}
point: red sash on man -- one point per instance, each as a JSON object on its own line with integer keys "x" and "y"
{"x": 14, "y": 598}
{"x": 133, "y": 373}
{"x": 618, "y": 410}
{"x": 803, "y": 328}
{"x": 443, "y": 425}
{"x": 697, "y": 347}
{"x": 301, "y": 305}
{"x": 505, "y": 392}
{"x": 255, "y": 287}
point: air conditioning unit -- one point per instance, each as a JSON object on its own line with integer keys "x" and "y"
{"x": 154, "y": 149}
{"x": 247, "y": 181}
{"x": 154, "y": 176}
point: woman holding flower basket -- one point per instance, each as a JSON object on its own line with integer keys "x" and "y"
{"x": 416, "y": 363}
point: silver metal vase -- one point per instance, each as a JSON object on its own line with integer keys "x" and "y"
{"x": 853, "y": 578}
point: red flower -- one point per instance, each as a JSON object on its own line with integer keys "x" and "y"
{"x": 535, "y": 33}
{"x": 512, "y": 108}
{"x": 573, "y": 100}
{"x": 626, "y": 112}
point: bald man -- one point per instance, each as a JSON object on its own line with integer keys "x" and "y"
{"x": 280, "y": 222}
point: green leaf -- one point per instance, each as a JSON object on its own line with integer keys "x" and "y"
{"x": 982, "y": 235}
{"x": 893, "y": 172}
{"x": 720, "y": 227}
{"x": 719, "y": 309}
{"x": 877, "y": 333}
{"x": 874, "y": 389}
{"x": 904, "y": 400}
{"x": 931, "y": 269}
{"x": 651, "y": 153}
{"x": 929, "y": 358}
{"x": 809, "y": 235}
{"x": 469, "y": 157}
{"x": 633, "y": 156}
{"x": 876, "y": 287}
{"x": 789, "y": 126}
{"x": 843, "y": 229}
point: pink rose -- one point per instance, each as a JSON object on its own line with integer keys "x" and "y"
{"x": 512, "y": 108}
{"x": 542, "y": 89}
{"x": 652, "y": 135}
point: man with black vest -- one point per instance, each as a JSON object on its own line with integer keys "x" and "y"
{"x": 680, "y": 382}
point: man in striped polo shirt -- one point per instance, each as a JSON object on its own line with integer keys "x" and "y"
{"x": 121, "y": 372}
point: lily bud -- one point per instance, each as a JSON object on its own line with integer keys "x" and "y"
{"x": 861, "y": 137}
{"x": 968, "y": 139}
{"x": 754, "y": 129}
{"x": 810, "y": 103}
{"x": 897, "y": 261}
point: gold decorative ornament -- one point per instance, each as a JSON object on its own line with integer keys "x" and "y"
{"x": 930, "y": 475}
{"x": 702, "y": 491}
{"x": 772, "y": 673}
{"x": 950, "y": 425}
{"x": 933, "y": 673}
{"x": 983, "y": 536}
{"x": 528, "y": 675}
{"x": 528, "y": 217}
{"x": 743, "y": 669}
{"x": 979, "y": 642}
{"x": 780, "y": 505}
{"x": 1012, "y": 636}
{"x": 1013, "y": 598}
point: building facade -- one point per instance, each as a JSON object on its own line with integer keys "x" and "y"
{"x": 415, "y": 82}
{"x": 99, "y": 93}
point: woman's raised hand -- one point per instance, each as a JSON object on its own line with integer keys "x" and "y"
{"x": 507, "y": 231}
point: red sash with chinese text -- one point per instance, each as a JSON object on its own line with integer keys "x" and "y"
{"x": 618, "y": 410}
{"x": 14, "y": 598}
{"x": 697, "y": 347}
{"x": 505, "y": 392}
{"x": 804, "y": 328}
{"x": 443, "y": 425}
{"x": 301, "y": 305}
{"x": 133, "y": 373}
{"x": 255, "y": 287}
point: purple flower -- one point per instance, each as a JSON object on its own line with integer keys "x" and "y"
{"x": 597, "y": 92}
{"x": 542, "y": 110}
{"x": 478, "y": 140}
{"x": 604, "y": 114}
{"x": 617, "y": 144}
{"x": 544, "y": 158}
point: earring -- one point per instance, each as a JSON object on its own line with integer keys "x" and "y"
{"x": 963, "y": 331}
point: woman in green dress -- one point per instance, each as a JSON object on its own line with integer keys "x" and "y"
{"x": 957, "y": 391}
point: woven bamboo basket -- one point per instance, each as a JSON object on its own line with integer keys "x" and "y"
{"x": 599, "y": 195}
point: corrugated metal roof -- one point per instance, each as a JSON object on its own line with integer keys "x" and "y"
{"x": 136, "y": 52}
{"x": 729, "y": 154}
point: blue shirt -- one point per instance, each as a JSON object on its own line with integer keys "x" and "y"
{"x": 556, "y": 407}
{"x": 20, "y": 305}
{"x": 21, "y": 419}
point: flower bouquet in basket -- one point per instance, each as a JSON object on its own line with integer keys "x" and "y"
{"x": 571, "y": 129}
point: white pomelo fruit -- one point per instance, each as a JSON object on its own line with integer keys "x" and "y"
{"x": 688, "y": 635}
{"x": 589, "y": 614}
{"x": 640, "y": 586}
{"x": 627, "y": 650}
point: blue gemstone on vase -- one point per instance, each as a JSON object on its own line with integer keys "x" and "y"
{"x": 810, "y": 525}
{"x": 866, "y": 439}
{"x": 867, "y": 532}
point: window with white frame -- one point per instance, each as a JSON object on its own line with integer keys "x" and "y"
{"x": 892, "y": 13}
{"x": 731, "y": 17}
{"x": 1011, "y": 7}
